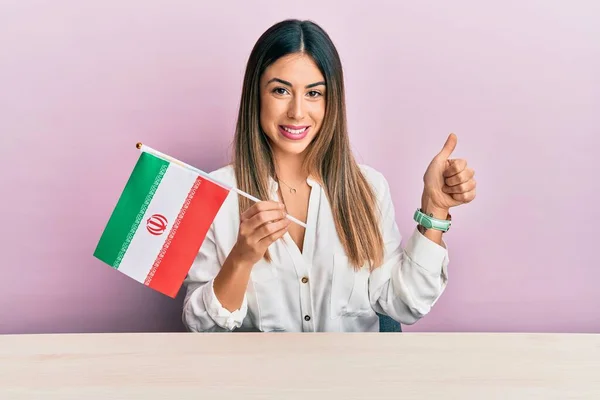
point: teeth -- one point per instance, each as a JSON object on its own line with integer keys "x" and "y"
{"x": 294, "y": 131}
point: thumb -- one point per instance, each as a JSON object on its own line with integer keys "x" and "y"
{"x": 449, "y": 147}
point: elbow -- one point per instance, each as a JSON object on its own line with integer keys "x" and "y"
{"x": 194, "y": 324}
{"x": 190, "y": 321}
{"x": 193, "y": 320}
{"x": 413, "y": 316}
{"x": 416, "y": 310}
{"x": 413, "y": 312}
{"x": 404, "y": 313}
{"x": 197, "y": 320}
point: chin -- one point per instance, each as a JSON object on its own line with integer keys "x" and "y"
{"x": 292, "y": 148}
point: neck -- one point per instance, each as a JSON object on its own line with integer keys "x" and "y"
{"x": 289, "y": 168}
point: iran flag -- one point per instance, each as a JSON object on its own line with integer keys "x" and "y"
{"x": 159, "y": 222}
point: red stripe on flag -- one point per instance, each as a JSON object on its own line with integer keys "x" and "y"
{"x": 189, "y": 230}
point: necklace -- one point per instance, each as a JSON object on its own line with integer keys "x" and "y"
{"x": 292, "y": 190}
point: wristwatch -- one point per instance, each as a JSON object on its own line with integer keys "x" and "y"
{"x": 428, "y": 222}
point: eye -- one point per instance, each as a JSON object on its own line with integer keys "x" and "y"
{"x": 280, "y": 91}
{"x": 314, "y": 93}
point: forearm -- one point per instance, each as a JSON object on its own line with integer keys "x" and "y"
{"x": 231, "y": 282}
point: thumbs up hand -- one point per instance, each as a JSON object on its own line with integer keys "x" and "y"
{"x": 447, "y": 182}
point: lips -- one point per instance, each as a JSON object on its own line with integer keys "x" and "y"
{"x": 294, "y": 132}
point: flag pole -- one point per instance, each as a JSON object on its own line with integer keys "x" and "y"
{"x": 142, "y": 147}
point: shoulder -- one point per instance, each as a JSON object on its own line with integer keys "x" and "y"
{"x": 224, "y": 174}
{"x": 371, "y": 173}
{"x": 376, "y": 179}
{"x": 226, "y": 221}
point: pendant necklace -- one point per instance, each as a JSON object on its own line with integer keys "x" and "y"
{"x": 292, "y": 190}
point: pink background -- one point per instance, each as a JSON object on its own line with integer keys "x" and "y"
{"x": 517, "y": 81}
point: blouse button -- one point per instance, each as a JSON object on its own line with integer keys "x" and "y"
{"x": 304, "y": 279}
{"x": 307, "y": 317}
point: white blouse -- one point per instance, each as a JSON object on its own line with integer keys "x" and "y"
{"x": 317, "y": 289}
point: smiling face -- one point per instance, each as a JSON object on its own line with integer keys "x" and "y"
{"x": 292, "y": 103}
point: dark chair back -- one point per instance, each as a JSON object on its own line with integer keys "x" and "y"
{"x": 387, "y": 324}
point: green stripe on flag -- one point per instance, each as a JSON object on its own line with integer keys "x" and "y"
{"x": 130, "y": 209}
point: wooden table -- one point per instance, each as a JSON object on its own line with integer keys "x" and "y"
{"x": 300, "y": 366}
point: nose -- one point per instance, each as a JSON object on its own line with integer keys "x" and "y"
{"x": 296, "y": 109}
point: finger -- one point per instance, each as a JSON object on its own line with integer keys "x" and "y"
{"x": 449, "y": 146}
{"x": 454, "y": 167}
{"x": 465, "y": 197}
{"x": 461, "y": 177}
{"x": 262, "y": 218}
{"x": 267, "y": 240}
{"x": 261, "y": 206}
{"x": 460, "y": 188}
{"x": 269, "y": 229}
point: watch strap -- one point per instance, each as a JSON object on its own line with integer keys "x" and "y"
{"x": 429, "y": 222}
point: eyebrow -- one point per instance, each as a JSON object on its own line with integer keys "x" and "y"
{"x": 290, "y": 85}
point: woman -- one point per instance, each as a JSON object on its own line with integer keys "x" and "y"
{"x": 257, "y": 270}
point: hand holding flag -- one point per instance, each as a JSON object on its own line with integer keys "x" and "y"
{"x": 161, "y": 220}
{"x": 260, "y": 226}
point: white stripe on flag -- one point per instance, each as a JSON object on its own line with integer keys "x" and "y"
{"x": 167, "y": 201}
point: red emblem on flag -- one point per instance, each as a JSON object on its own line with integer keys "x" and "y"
{"x": 156, "y": 224}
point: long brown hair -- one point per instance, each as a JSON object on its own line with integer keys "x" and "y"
{"x": 328, "y": 158}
